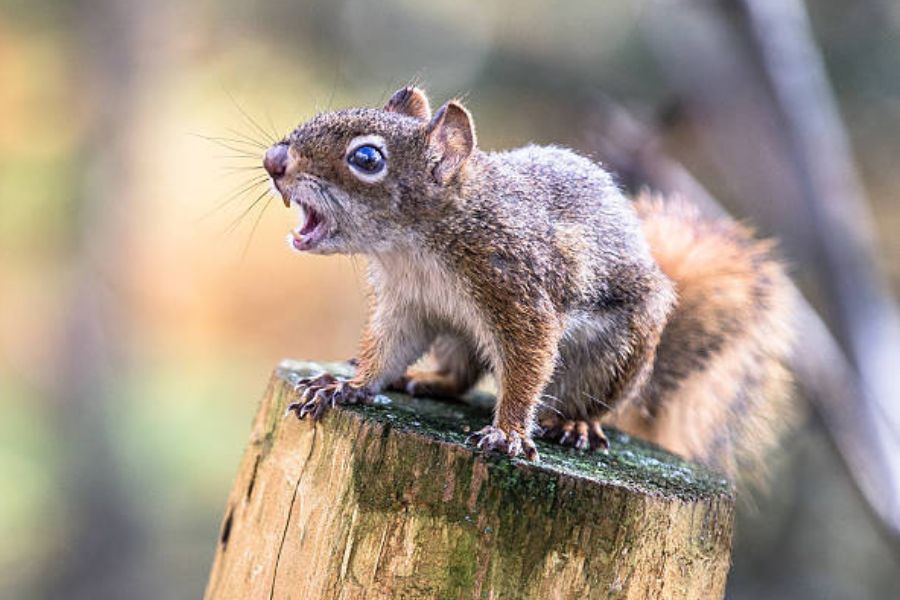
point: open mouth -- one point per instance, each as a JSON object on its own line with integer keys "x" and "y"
{"x": 312, "y": 229}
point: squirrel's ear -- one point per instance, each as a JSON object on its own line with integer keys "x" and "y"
{"x": 410, "y": 101}
{"x": 452, "y": 134}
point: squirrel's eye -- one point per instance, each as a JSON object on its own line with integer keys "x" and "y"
{"x": 367, "y": 159}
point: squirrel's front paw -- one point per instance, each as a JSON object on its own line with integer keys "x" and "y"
{"x": 511, "y": 443}
{"x": 322, "y": 392}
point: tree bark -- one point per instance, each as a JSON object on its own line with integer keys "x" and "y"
{"x": 386, "y": 501}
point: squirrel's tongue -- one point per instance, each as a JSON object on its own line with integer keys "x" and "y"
{"x": 310, "y": 231}
{"x": 309, "y": 220}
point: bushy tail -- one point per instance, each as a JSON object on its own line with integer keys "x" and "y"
{"x": 720, "y": 391}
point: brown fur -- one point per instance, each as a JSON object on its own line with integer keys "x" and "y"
{"x": 530, "y": 264}
{"x": 719, "y": 392}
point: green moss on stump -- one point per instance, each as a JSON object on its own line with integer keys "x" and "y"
{"x": 631, "y": 463}
{"x": 387, "y": 501}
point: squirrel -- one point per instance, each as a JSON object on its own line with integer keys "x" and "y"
{"x": 589, "y": 308}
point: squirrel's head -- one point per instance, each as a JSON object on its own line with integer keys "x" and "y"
{"x": 362, "y": 178}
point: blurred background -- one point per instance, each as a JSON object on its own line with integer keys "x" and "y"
{"x": 145, "y": 298}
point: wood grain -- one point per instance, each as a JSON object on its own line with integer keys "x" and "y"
{"x": 387, "y": 502}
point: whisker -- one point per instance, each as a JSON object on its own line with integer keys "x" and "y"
{"x": 545, "y": 397}
{"x": 239, "y": 189}
{"x": 236, "y": 149}
{"x": 238, "y": 146}
{"x": 237, "y": 173}
{"x": 230, "y": 140}
{"x": 244, "y": 188}
{"x": 239, "y": 152}
{"x": 553, "y": 409}
{"x": 597, "y": 400}
{"x": 263, "y": 143}
{"x": 256, "y": 158}
{"x": 236, "y": 222}
{"x": 274, "y": 129}
{"x": 260, "y": 178}
{"x": 259, "y": 217}
{"x": 551, "y": 397}
{"x": 248, "y": 117}
{"x": 243, "y": 168}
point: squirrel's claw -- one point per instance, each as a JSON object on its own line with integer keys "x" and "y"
{"x": 494, "y": 439}
{"x": 580, "y": 434}
{"x": 318, "y": 394}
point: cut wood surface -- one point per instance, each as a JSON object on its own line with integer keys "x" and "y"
{"x": 386, "y": 501}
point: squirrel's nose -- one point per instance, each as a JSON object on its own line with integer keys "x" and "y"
{"x": 275, "y": 160}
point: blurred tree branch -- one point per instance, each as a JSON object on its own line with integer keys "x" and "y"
{"x": 751, "y": 73}
{"x": 834, "y": 204}
{"x": 824, "y": 375}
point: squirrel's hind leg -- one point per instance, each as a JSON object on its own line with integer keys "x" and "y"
{"x": 571, "y": 412}
{"x": 604, "y": 360}
{"x": 582, "y": 434}
{"x": 458, "y": 369}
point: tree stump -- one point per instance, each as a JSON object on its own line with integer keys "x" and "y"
{"x": 386, "y": 501}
